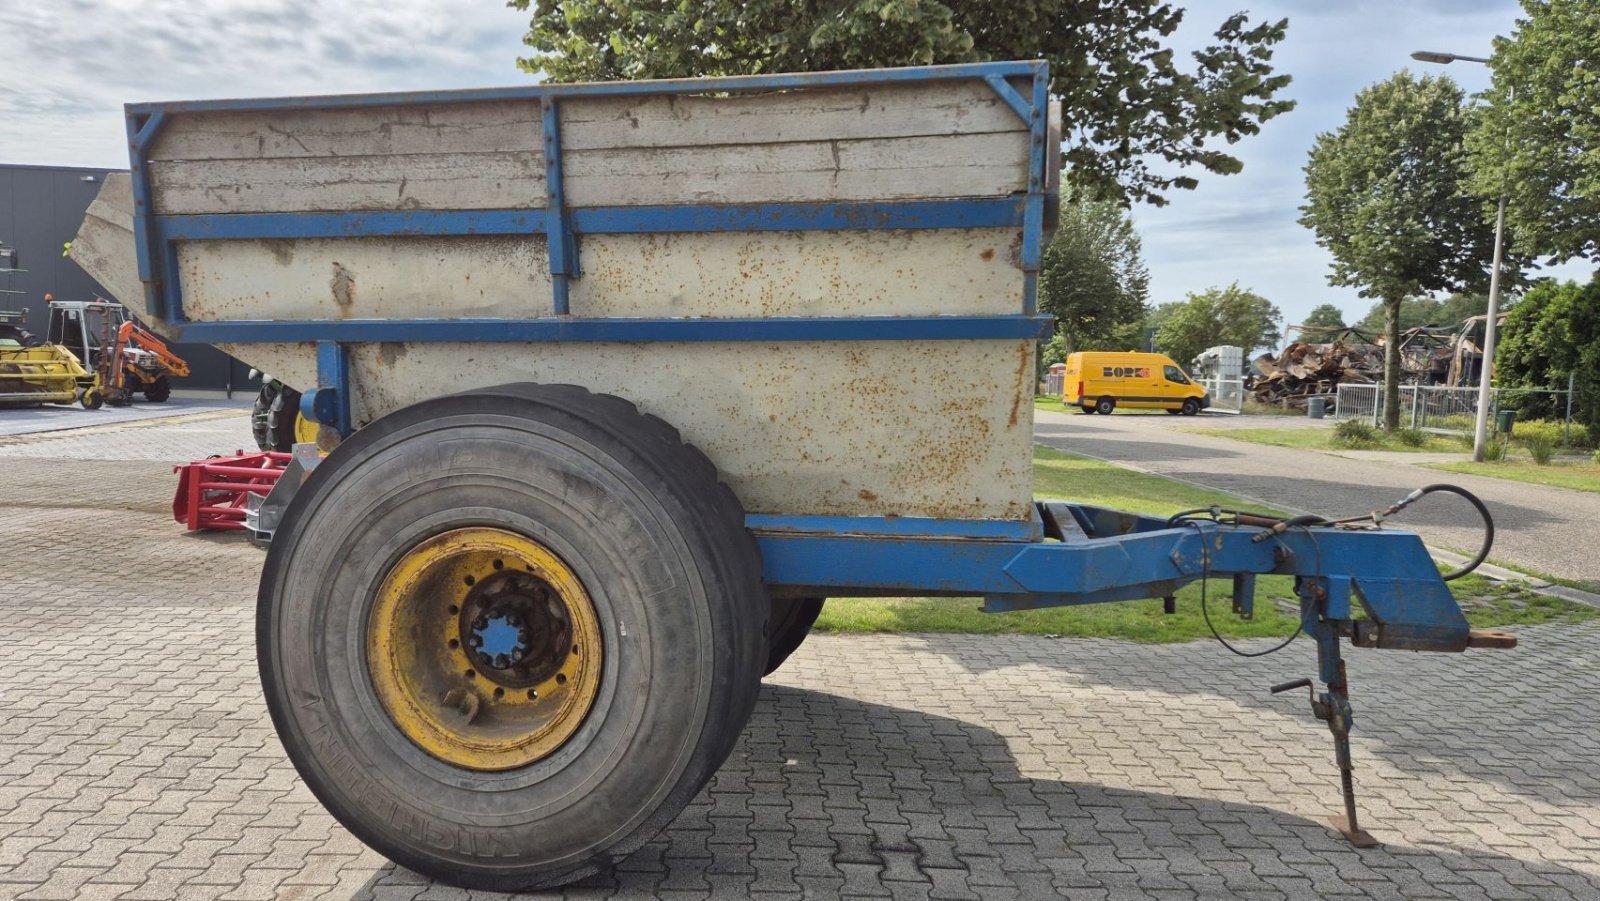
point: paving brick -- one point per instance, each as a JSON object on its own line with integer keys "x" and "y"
{"x": 903, "y": 767}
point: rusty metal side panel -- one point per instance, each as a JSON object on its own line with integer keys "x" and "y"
{"x": 732, "y": 274}
{"x": 938, "y": 429}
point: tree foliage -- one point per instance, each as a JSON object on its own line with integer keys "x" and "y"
{"x": 1552, "y": 332}
{"x": 1325, "y": 316}
{"x": 1442, "y": 312}
{"x": 1134, "y": 112}
{"x": 1093, "y": 279}
{"x": 1539, "y": 139}
{"x": 1230, "y": 315}
{"x": 1384, "y": 194}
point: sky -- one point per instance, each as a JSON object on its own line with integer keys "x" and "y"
{"x": 67, "y": 66}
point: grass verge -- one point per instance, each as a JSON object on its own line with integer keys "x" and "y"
{"x": 1321, "y": 440}
{"x": 1060, "y": 475}
{"x": 1576, "y": 476}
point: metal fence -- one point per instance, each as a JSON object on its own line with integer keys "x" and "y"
{"x": 1447, "y": 410}
{"x": 1227, "y": 395}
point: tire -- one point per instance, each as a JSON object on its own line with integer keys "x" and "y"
{"x": 1190, "y": 406}
{"x": 1174, "y": 412}
{"x": 119, "y": 397}
{"x": 788, "y": 623}
{"x": 1087, "y": 408}
{"x": 272, "y": 420}
{"x": 646, "y": 529}
{"x": 92, "y": 399}
{"x": 1105, "y": 405}
{"x": 158, "y": 391}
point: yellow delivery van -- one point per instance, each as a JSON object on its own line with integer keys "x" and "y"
{"x": 1100, "y": 382}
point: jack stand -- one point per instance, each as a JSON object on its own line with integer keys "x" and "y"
{"x": 1333, "y": 708}
{"x": 1325, "y": 613}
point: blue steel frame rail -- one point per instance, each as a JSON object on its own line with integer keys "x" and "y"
{"x": 157, "y": 236}
{"x": 1108, "y": 555}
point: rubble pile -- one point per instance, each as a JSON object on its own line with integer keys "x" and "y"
{"x": 1304, "y": 371}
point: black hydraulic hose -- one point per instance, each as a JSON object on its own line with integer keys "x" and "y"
{"x": 1483, "y": 511}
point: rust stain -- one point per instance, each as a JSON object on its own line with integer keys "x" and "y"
{"x": 344, "y": 287}
{"x": 866, "y": 495}
{"x": 1025, "y": 359}
{"x": 987, "y": 255}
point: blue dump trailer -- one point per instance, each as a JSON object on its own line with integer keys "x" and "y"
{"x": 616, "y": 383}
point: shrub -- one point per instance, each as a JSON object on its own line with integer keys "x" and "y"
{"x": 1553, "y": 431}
{"x": 1540, "y": 447}
{"x": 1411, "y": 437}
{"x": 1597, "y": 458}
{"x": 1494, "y": 450}
{"x": 1354, "y": 433}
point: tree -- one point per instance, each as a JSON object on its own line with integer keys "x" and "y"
{"x": 1125, "y": 98}
{"x": 1447, "y": 312}
{"x": 1093, "y": 279}
{"x": 1552, "y": 333}
{"x": 1538, "y": 143}
{"x": 1230, "y": 315}
{"x": 1384, "y": 195}
{"x": 1325, "y": 316}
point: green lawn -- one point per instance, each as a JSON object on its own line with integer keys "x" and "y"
{"x": 1581, "y": 476}
{"x": 1060, "y": 475}
{"x": 1321, "y": 439}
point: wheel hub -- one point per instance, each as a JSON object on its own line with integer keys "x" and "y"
{"x": 484, "y": 649}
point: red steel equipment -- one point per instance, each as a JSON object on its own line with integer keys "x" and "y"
{"x": 212, "y": 493}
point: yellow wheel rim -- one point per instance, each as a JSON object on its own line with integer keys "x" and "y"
{"x": 484, "y": 649}
{"x": 305, "y": 430}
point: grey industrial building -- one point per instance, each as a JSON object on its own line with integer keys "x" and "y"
{"x": 40, "y": 210}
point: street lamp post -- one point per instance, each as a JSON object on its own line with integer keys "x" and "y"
{"x": 1480, "y": 432}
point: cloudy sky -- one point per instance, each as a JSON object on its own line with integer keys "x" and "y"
{"x": 67, "y": 66}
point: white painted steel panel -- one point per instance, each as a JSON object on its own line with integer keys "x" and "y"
{"x": 934, "y": 428}
{"x": 778, "y": 117}
{"x": 734, "y": 274}
{"x": 485, "y": 276}
{"x": 477, "y": 181}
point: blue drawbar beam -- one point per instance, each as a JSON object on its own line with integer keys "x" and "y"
{"x": 1389, "y": 573}
{"x": 852, "y": 328}
{"x": 736, "y": 83}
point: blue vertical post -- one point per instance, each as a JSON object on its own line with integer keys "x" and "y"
{"x": 150, "y": 250}
{"x": 1039, "y": 157}
{"x": 329, "y": 404}
{"x": 557, "y": 228}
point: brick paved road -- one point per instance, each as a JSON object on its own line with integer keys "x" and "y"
{"x": 136, "y": 760}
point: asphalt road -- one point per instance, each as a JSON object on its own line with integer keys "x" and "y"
{"x": 1551, "y": 530}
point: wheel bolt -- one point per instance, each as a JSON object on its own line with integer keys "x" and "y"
{"x": 474, "y": 641}
{"x": 516, "y": 655}
{"x": 500, "y": 661}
